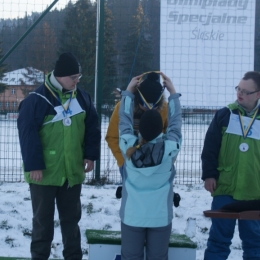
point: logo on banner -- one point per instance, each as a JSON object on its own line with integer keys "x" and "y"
{"x": 240, "y": 5}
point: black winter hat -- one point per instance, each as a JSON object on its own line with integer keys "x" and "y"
{"x": 150, "y": 125}
{"x": 151, "y": 88}
{"x": 66, "y": 65}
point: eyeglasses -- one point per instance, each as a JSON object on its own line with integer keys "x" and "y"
{"x": 76, "y": 77}
{"x": 244, "y": 92}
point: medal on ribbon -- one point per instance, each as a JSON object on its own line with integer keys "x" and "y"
{"x": 243, "y": 147}
{"x": 67, "y": 120}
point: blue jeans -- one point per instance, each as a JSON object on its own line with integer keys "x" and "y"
{"x": 222, "y": 231}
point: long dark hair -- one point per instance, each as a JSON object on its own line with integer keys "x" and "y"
{"x": 132, "y": 149}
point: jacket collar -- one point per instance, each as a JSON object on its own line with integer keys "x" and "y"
{"x": 249, "y": 113}
{"x": 53, "y": 83}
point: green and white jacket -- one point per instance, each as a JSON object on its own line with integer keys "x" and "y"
{"x": 229, "y": 157}
{"x": 47, "y": 144}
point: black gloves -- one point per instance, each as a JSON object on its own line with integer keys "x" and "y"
{"x": 176, "y": 196}
{"x": 119, "y": 192}
{"x": 176, "y": 199}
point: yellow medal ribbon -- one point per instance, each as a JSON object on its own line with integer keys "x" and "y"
{"x": 57, "y": 97}
{"x": 156, "y": 71}
{"x": 141, "y": 95}
{"x": 246, "y": 130}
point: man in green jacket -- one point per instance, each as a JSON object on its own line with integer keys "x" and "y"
{"x": 59, "y": 135}
{"x": 231, "y": 168}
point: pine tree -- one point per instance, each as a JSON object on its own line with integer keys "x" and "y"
{"x": 137, "y": 51}
{"x": 43, "y": 48}
{"x": 123, "y": 12}
{"x": 79, "y": 37}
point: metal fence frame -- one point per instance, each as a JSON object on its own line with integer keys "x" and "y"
{"x": 188, "y": 163}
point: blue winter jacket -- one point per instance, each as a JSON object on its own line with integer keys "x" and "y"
{"x": 147, "y": 193}
{"x": 56, "y": 149}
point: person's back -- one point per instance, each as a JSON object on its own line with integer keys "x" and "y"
{"x": 149, "y": 171}
{"x": 151, "y": 91}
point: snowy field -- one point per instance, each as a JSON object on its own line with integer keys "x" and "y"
{"x": 100, "y": 207}
{"x": 100, "y": 210}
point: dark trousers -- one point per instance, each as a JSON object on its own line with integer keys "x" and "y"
{"x": 69, "y": 209}
{"x": 134, "y": 238}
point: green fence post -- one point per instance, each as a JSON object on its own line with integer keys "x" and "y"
{"x": 100, "y": 70}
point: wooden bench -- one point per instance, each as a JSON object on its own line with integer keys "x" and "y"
{"x": 104, "y": 244}
{"x": 249, "y": 215}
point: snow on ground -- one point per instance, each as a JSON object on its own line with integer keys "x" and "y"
{"x": 100, "y": 210}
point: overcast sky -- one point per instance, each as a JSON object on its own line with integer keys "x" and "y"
{"x": 18, "y": 8}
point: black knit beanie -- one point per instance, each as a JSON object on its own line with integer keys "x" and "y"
{"x": 151, "y": 88}
{"x": 150, "y": 125}
{"x": 66, "y": 65}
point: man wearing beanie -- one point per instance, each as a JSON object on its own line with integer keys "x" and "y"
{"x": 149, "y": 96}
{"x": 59, "y": 136}
{"x": 146, "y": 207}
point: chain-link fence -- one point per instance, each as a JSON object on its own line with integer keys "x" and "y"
{"x": 188, "y": 163}
{"x": 203, "y": 46}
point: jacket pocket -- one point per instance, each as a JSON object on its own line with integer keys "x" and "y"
{"x": 50, "y": 158}
{"x": 225, "y": 175}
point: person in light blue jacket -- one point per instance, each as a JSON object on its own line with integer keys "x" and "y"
{"x": 146, "y": 209}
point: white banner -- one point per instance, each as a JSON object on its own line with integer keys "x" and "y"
{"x": 206, "y": 46}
